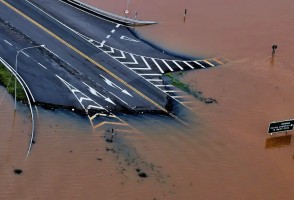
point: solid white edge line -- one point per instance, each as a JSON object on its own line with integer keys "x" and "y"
{"x": 42, "y": 65}
{"x": 150, "y": 74}
{"x": 8, "y": 42}
{"x": 25, "y": 54}
{"x": 119, "y": 98}
{"x": 22, "y": 82}
{"x": 180, "y": 97}
{"x": 172, "y": 91}
{"x": 164, "y": 85}
{"x": 153, "y": 79}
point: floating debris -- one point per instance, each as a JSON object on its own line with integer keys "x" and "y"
{"x": 18, "y": 171}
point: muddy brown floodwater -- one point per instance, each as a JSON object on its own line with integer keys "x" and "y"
{"x": 225, "y": 154}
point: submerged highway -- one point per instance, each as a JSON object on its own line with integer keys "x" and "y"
{"x": 89, "y": 63}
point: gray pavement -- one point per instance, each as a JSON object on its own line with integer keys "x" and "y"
{"x": 66, "y": 71}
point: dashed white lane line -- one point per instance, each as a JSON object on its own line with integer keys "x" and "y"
{"x": 199, "y": 64}
{"x": 157, "y": 65}
{"x": 188, "y": 64}
{"x": 8, "y": 42}
{"x": 42, "y": 65}
{"x": 108, "y": 36}
{"x": 112, "y": 31}
{"x": 118, "y": 25}
{"x": 25, "y": 54}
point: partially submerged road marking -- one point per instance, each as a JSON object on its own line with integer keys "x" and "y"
{"x": 87, "y": 57}
{"x": 92, "y": 61}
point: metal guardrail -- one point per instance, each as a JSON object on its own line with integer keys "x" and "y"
{"x": 107, "y": 15}
{"x": 25, "y": 88}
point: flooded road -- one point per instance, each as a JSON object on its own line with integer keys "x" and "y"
{"x": 224, "y": 154}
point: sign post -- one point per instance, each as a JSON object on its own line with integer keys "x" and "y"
{"x": 281, "y": 126}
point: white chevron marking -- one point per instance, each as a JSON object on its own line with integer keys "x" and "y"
{"x": 189, "y": 64}
{"x": 148, "y": 66}
{"x": 122, "y": 55}
{"x": 212, "y": 65}
{"x": 112, "y": 50}
{"x": 135, "y": 62}
{"x": 199, "y": 64}
{"x": 179, "y": 66}
{"x": 157, "y": 65}
{"x": 171, "y": 69}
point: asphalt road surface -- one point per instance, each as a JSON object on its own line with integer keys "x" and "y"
{"x": 88, "y": 63}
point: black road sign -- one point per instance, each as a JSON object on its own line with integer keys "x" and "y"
{"x": 287, "y": 125}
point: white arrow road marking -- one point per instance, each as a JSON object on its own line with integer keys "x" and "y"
{"x": 85, "y": 97}
{"x": 128, "y": 39}
{"x": 94, "y": 92}
{"x": 115, "y": 86}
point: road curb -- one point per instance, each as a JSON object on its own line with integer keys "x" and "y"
{"x": 107, "y": 15}
{"x": 29, "y": 96}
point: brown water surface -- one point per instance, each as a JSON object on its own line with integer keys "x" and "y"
{"x": 223, "y": 154}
